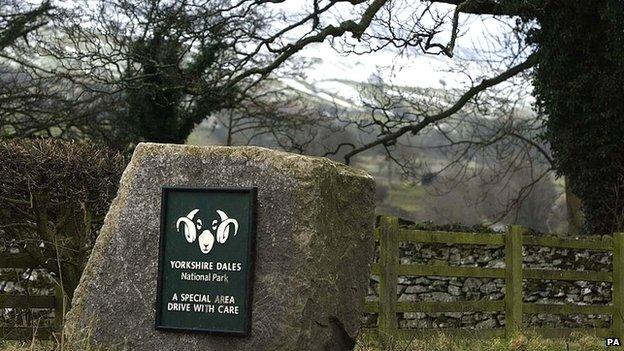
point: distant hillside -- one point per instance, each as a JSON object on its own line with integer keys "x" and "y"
{"x": 471, "y": 202}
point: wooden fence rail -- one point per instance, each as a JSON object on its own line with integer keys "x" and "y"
{"x": 389, "y": 269}
{"x": 46, "y": 302}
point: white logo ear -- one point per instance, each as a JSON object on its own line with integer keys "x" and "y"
{"x": 190, "y": 233}
{"x": 223, "y": 231}
{"x": 222, "y": 215}
{"x": 192, "y": 213}
{"x": 206, "y": 241}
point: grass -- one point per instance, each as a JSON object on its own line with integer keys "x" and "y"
{"x": 403, "y": 198}
{"x": 440, "y": 342}
{"x": 29, "y": 346}
{"x": 444, "y": 342}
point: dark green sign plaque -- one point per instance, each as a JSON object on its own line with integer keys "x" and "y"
{"x": 206, "y": 260}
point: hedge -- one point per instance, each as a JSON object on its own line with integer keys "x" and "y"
{"x": 53, "y": 198}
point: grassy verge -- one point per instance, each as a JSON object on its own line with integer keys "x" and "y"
{"x": 443, "y": 342}
{"x": 439, "y": 342}
{"x": 29, "y": 346}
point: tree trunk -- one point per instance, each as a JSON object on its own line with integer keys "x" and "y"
{"x": 578, "y": 88}
{"x": 574, "y": 211}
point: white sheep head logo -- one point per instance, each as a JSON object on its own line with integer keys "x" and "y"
{"x": 206, "y": 239}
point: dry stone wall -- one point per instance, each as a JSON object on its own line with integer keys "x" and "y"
{"x": 469, "y": 289}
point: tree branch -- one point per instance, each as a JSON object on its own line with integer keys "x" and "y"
{"x": 23, "y": 23}
{"x": 529, "y": 8}
{"x": 463, "y": 100}
{"x": 350, "y": 26}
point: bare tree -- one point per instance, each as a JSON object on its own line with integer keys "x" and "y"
{"x": 20, "y": 95}
{"x": 221, "y": 53}
{"x": 17, "y": 20}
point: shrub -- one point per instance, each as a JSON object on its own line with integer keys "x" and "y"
{"x": 53, "y": 198}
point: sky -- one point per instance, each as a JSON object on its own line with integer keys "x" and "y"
{"x": 413, "y": 69}
{"x": 417, "y": 70}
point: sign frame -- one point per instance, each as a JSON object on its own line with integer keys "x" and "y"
{"x": 251, "y": 254}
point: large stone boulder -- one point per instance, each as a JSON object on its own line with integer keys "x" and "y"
{"x": 314, "y": 247}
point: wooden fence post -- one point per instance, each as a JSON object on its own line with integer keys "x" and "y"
{"x": 617, "y": 322}
{"x": 59, "y": 307}
{"x": 513, "y": 280}
{"x": 388, "y": 262}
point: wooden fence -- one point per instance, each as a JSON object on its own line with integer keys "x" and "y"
{"x": 389, "y": 269}
{"x": 29, "y": 302}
